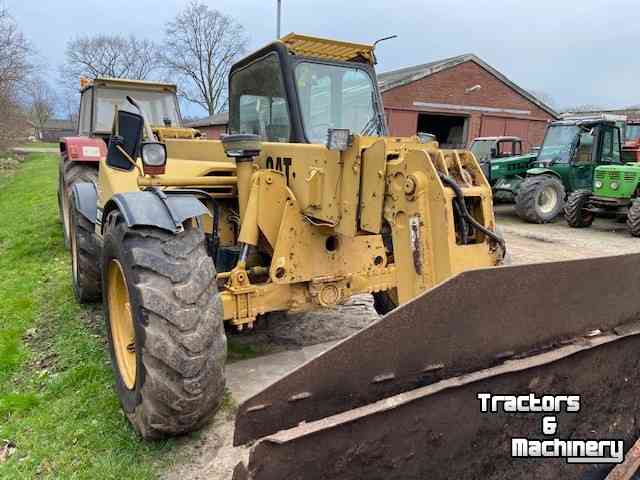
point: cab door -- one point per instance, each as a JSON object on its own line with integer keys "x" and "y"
{"x": 583, "y": 161}
{"x": 610, "y": 146}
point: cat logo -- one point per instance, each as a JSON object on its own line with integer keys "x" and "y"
{"x": 282, "y": 164}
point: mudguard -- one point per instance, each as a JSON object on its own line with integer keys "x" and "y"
{"x": 83, "y": 149}
{"x": 532, "y": 172}
{"x": 508, "y": 184}
{"x": 156, "y": 209}
{"x": 85, "y": 198}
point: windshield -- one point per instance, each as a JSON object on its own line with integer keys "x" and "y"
{"x": 157, "y": 107}
{"x": 632, "y": 132}
{"x": 333, "y": 96}
{"x": 482, "y": 149}
{"x": 558, "y": 143}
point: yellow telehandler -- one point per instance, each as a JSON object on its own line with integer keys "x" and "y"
{"x": 305, "y": 203}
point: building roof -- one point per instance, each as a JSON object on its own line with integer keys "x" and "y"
{"x": 404, "y": 76}
{"x": 210, "y": 121}
{"x": 632, "y": 113}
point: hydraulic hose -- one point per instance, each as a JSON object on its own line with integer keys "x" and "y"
{"x": 451, "y": 183}
{"x": 462, "y": 225}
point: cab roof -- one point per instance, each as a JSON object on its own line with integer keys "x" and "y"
{"x": 495, "y": 139}
{"x": 127, "y": 83}
{"x": 307, "y": 46}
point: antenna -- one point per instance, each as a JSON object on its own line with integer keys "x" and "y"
{"x": 380, "y": 39}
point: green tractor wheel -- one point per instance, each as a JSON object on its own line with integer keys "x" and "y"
{"x": 633, "y": 218}
{"x": 540, "y": 199}
{"x": 574, "y": 210}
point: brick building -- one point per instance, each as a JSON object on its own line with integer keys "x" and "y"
{"x": 459, "y": 99}
{"x": 213, "y": 126}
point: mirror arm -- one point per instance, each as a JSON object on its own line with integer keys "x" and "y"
{"x": 131, "y": 160}
{"x": 147, "y": 125}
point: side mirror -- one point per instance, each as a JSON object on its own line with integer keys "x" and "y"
{"x": 127, "y": 135}
{"x": 494, "y": 152}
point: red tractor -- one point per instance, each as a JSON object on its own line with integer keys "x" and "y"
{"x": 99, "y": 99}
{"x": 631, "y": 148}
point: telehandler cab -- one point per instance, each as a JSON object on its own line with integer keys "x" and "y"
{"x": 306, "y": 203}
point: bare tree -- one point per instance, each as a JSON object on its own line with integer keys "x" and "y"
{"x": 41, "y": 102}
{"x": 15, "y": 67}
{"x": 111, "y": 56}
{"x": 200, "y": 47}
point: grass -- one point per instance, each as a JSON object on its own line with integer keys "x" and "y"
{"x": 40, "y": 145}
{"x": 57, "y": 403}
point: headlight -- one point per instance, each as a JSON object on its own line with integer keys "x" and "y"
{"x": 598, "y": 184}
{"x": 614, "y": 185}
{"x": 154, "y": 158}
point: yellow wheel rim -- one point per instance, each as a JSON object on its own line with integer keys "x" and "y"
{"x": 121, "y": 322}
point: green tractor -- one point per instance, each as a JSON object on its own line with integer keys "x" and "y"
{"x": 503, "y": 163}
{"x": 571, "y": 151}
{"x": 615, "y": 194}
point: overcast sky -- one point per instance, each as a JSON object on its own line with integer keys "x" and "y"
{"x": 576, "y": 51}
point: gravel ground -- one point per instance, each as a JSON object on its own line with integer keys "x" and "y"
{"x": 211, "y": 455}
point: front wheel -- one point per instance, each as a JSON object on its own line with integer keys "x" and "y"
{"x": 165, "y": 327}
{"x": 633, "y": 218}
{"x": 574, "y": 211}
{"x": 540, "y": 199}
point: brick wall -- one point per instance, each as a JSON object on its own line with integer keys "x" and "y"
{"x": 448, "y": 87}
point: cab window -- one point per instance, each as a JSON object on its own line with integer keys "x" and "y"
{"x": 84, "y": 119}
{"x": 258, "y": 101}
{"x": 584, "y": 148}
{"x": 611, "y": 145}
{"x": 505, "y": 149}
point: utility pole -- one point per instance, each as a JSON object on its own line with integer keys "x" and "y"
{"x": 279, "y": 15}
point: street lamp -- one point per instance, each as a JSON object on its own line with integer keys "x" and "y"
{"x": 278, "y": 21}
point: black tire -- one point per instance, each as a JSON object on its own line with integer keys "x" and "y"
{"x": 502, "y": 196}
{"x": 633, "y": 218}
{"x": 383, "y": 302}
{"x": 574, "y": 210}
{"x": 85, "y": 257}
{"x": 71, "y": 173}
{"x": 180, "y": 343}
{"x": 530, "y": 195}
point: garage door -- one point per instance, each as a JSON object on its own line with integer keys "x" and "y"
{"x": 492, "y": 126}
{"x": 500, "y": 126}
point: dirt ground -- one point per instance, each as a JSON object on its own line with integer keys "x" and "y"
{"x": 210, "y": 454}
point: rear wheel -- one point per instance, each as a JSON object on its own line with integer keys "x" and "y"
{"x": 540, "y": 199}
{"x": 633, "y": 218}
{"x": 164, "y": 324}
{"x": 85, "y": 257}
{"x": 574, "y": 210}
{"x": 72, "y": 173}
